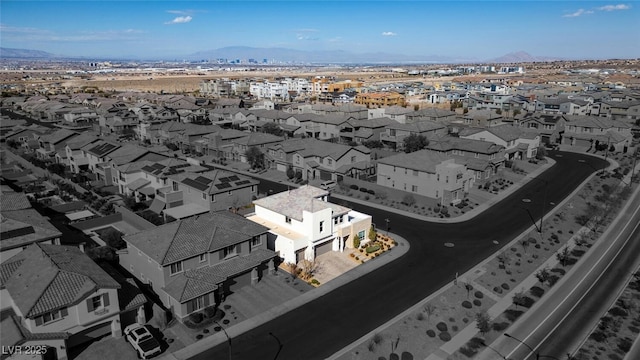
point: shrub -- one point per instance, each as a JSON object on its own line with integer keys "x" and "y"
{"x": 353, "y": 187}
{"x": 373, "y": 248}
{"x": 617, "y": 311}
{"x": 372, "y": 192}
{"x": 537, "y": 291}
{"x": 477, "y": 302}
{"x": 624, "y": 344}
{"x": 210, "y": 311}
{"x": 442, "y": 326}
{"x": 497, "y": 290}
{"x": 478, "y": 294}
{"x": 445, "y": 336}
{"x": 364, "y": 190}
{"x": 431, "y": 333}
{"x": 420, "y": 316}
{"x": 466, "y": 305}
{"x": 505, "y": 286}
{"x": 196, "y": 318}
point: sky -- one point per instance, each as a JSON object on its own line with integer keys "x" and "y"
{"x": 462, "y": 29}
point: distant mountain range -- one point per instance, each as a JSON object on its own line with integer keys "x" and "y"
{"x": 301, "y": 56}
{"x": 320, "y": 56}
{"x": 7, "y": 53}
{"x": 521, "y": 57}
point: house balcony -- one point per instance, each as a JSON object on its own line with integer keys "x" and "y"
{"x": 168, "y": 195}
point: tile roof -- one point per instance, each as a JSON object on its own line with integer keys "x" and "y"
{"x": 196, "y": 235}
{"x": 22, "y": 227}
{"x": 14, "y": 201}
{"x": 101, "y": 149}
{"x": 422, "y": 160}
{"x": 447, "y": 143}
{"x": 49, "y": 277}
{"x": 193, "y": 283}
{"x": 14, "y": 334}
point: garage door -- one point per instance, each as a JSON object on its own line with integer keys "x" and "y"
{"x": 92, "y": 333}
{"x": 325, "y": 175}
{"x": 323, "y": 248}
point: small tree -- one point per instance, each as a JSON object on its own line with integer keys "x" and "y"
{"x": 255, "y": 157}
{"x": 483, "y": 322}
{"x": 429, "y": 309}
{"x": 543, "y": 275}
{"x": 409, "y": 200}
{"x": 468, "y": 287}
{"x": 414, "y": 142}
{"x": 372, "y": 234}
{"x": 298, "y": 174}
{"x": 113, "y": 238}
{"x": 563, "y": 256}
{"x": 308, "y": 268}
{"x": 293, "y": 269}
{"x": 518, "y": 299}
{"x": 290, "y": 173}
{"x": 272, "y": 128}
{"x": 541, "y": 153}
{"x": 356, "y": 241}
{"x": 525, "y": 244}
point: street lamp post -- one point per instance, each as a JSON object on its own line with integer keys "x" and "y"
{"x": 532, "y": 350}
{"x": 280, "y": 346}
{"x": 227, "y": 335}
{"x": 387, "y": 221}
{"x": 494, "y": 350}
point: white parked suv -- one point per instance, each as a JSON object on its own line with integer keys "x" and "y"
{"x": 142, "y": 341}
{"x": 328, "y": 185}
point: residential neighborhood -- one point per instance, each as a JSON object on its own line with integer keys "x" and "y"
{"x": 192, "y": 214}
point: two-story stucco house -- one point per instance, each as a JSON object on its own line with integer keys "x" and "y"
{"x": 57, "y": 296}
{"x": 197, "y": 193}
{"x": 194, "y": 263}
{"x": 587, "y": 131}
{"x": 426, "y": 173}
{"x": 519, "y": 143}
{"x": 303, "y": 224}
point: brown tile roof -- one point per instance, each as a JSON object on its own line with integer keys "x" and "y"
{"x": 14, "y": 334}
{"x": 14, "y": 201}
{"x": 49, "y": 277}
{"x": 198, "y": 282}
{"x": 196, "y": 235}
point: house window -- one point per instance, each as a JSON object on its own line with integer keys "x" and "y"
{"x": 204, "y": 196}
{"x": 213, "y": 197}
{"x": 203, "y": 257}
{"x": 321, "y": 226}
{"x": 175, "y": 186}
{"x": 229, "y": 251}
{"x": 256, "y": 241}
{"x": 253, "y": 188}
{"x": 287, "y": 220}
{"x": 415, "y": 172}
{"x": 51, "y": 316}
{"x": 197, "y": 303}
{"x": 341, "y": 218}
{"x": 361, "y": 234}
{"x": 329, "y": 162}
{"x": 96, "y": 303}
{"x": 476, "y": 155}
{"x": 230, "y": 192}
{"x": 353, "y": 159}
{"x": 175, "y": 268}
{"x": 414, "y": 188}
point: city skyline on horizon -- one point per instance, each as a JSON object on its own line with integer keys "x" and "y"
{"x": 473, "y": 30}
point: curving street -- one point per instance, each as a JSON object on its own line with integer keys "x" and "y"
{"x": 328, "y": 323}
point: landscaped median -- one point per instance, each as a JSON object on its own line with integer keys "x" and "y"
{"x": 475, "y": 309}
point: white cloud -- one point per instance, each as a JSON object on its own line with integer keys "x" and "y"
{"x": 389, "y": 33}
{"x": 579, "y": 12}
{"x": 614, "y": 7}
{"x": 179, "y": 20}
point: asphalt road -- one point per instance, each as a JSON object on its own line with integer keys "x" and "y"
{"x": 567, "y": 317}
{"x": 327, "y": 324}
